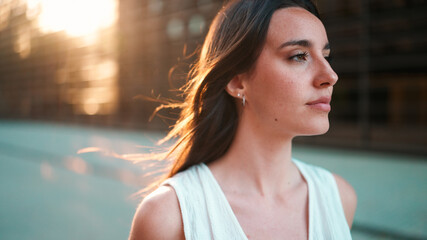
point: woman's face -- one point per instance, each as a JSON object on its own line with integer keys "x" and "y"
{"x": 289, "y": 88}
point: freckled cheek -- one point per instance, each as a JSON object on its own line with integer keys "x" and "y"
{"x": 287, "y": 101}
{"x": 275, "y": 88}
{"x": 286, "y": 93}
{"x": 278, "y": 102}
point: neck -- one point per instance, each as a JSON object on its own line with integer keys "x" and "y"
{"x": 258, "y": 164}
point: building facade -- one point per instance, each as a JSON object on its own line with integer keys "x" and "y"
{"x": 99, "y": 62}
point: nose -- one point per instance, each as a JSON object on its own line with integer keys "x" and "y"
{"x": 326, "y": 76}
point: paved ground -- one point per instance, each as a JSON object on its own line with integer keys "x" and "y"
{"x": 48, "y": 191}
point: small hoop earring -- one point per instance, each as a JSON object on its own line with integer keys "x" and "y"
{"x": 243, "y": 101}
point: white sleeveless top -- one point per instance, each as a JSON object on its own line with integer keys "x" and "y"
{"x": 206, "y": 213}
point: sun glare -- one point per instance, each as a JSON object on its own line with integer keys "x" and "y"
{"x": 75, "y": 17}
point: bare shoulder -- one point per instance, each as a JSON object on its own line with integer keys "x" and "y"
{"x": 158, "y": 217}
{"x": 348, "y": 198}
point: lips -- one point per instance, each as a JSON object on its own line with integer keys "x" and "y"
{"x": 321, "y": 104}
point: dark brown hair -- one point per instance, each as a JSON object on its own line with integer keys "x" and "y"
{"x": 209, "y": 118}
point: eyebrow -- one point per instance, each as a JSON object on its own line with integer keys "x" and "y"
{"x": 303, "y": 43}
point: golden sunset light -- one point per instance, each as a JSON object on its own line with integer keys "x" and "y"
{"x": 75, "y": 17}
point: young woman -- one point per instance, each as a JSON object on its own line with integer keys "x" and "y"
{"x": 263, "y": 78}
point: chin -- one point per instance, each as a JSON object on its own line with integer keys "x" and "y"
{"x": 318, "y": 129}
{"x": 322, "y": 131}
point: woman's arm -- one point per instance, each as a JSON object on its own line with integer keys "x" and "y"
{"x": 158, "y": 217}
{"x": 348, "y": 198}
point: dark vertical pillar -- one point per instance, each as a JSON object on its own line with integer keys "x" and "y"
{"x": 364, "y": 80}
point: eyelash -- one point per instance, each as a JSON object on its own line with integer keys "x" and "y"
{"x": 301, "y": 57}
{"x": 297, "y": 57}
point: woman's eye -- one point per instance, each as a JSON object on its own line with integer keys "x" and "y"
{"x": 300, "y": 57}
{"x": 328, "y": 58}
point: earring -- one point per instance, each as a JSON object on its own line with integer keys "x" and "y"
{"x": 243, "y": 99}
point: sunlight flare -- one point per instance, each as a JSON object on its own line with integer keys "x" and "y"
{"x": 75, "y": 17}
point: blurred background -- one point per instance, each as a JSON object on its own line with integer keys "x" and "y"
{"x": 74, "y": 75}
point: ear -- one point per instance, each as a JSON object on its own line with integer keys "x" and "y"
{"x": 235, "y": 86}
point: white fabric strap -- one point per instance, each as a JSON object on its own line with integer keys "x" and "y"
{"x": 206, "y": 213}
